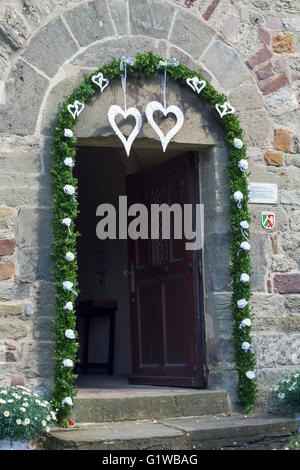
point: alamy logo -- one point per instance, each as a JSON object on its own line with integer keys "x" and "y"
{"x": 163, "y": 222}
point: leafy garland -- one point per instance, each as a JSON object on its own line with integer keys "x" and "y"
{"x": 64, "y": 236}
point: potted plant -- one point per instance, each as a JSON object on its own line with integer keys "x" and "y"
{"x": 24, "y": 415}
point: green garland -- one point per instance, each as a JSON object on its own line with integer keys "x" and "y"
{"x": 64, "y": 238}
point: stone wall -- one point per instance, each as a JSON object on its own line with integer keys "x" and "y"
{"x": 247, "y": 49}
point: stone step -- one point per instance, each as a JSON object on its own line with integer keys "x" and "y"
{"x": 151, "y": 405}
{"x": 257, "y": 432}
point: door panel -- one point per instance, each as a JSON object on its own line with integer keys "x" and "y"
{"x": 165, "y": 321}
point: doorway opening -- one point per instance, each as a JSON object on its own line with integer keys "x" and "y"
{"x": 140, "y": 307}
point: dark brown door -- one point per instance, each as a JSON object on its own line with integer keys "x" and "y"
{"x": 167, "y": 332}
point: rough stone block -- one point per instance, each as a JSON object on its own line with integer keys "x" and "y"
{"x": 151, "y": 17}
{"x": 190, "y": 35}
{"x": 275, "y": 350}
{"x": 290, "y": 323}
{"x": 218, "y": 308}
{"x": 265, "y": 72}
{"x": 20, "y": 154}
{"x": 57, "y": 41}
{"x": 24, "y": 93}
{"x": 292, "y": 303}
{"x": 45, "y": 299}
{"x": 291, "y": 197}
{"x": 217, "y": 255}
{"x": 39, "y": 359}
{"x": 259, "y": 261}
{"x": 282, "y": 140}
{"x": 264, "y": 36}
{"x": 273, "y": 23}
{"x": 292, "y": 24}
{"x": 89, "y": 22}
{"x": 6, "y": 211}
{"x": 35, "y": 264}
{"x": 34, "y": 191}
{"x": 280, "y": 82}
{"x": 16, "y": 329}
{"x": 274, "y": 158}
{"x": 210, "y": 9}
{"x": 287, "y": 283}
{"x": 9, "y": 309}
{"x": 118, "y": 10}
{"x": 256, "y": 127}
{"x": 281, "y": 102}
{"x": 34, "y": 228}
{"x": 283, "y": 43}
{"x": 225, "y": 64}
{"x": 229, "y": 26}
{"x": 42, "y": 328}
{"x": 13, "y": 29}
{"x": 17, "y": 380}
{"x": 7, "y": 270}
{"x": 283, "y": 263}
{"x": 95, "y": 55}
{"x": 7, "y": 247}
{"x": 9, "y": 291}
{"x": 261, "y": 56}
{"x": 246, "y": 97}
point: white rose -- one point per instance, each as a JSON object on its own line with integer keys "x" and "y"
{"x": 67, "y": 401}
{"x": 67, "y": 363}
{"x": 69, "y": 256}
{"x": 246, "y": 346}
{"x": 67, "y": 221}
{"x": 238, "y": 143}
{"x": 242, "y": 303}
{"x": 69, "y": 162}
{"x": 244, "y": 277}
{"x": 250, "y": 374}
{"x": 68, "y": 306}
{"x": 243, "y": 164}
{"x": 67, "y": 285}
{"x": 69, "y": 334}
{"x": 69, "y": 189}
{"x": 245, "y": 246}
{"x": 238, "y": 196}
{"x": 244, "y": 224}
{"x": 68, "y": 133}
{"x": 245, "y": 322}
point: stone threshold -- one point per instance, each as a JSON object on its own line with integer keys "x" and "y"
{"x": 256, "y": 432}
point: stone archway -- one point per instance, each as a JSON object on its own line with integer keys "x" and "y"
{"x": 35, "y": 86}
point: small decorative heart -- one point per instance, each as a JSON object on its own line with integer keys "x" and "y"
{"x": 75, "y": 109}
{"x": 196, "y": 84}
{"x": 114, "y": 110}
{"x": 224, "y": 109}
{"x": 156, "y": 106}
{"x": 99, "y": 80}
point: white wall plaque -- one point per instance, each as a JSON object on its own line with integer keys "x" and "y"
{"x": 263, "y": 193}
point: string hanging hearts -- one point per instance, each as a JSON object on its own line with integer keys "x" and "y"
{"x": 156, "y": 106}
{"x": 114, "y": 110}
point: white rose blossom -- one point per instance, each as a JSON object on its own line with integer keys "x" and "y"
{"x": 68, "y": 133}
{"x": 68, "y": 161}
{"x": 69, "y": 189}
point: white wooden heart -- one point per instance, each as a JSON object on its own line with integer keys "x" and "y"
{"x": 113, "y": 111}
{"x": 156, "y": 106}
{"x": 196, "y": 84}
{"x": 75, "y": 109}
{"x": 224, "y": 109}
{"x": 100, "y": 81}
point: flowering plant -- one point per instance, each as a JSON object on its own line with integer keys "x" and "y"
{"x": 287, "y": 391}
{"x": 23, "y": 414}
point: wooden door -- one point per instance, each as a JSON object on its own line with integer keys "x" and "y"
{"x": 167, "y": 332}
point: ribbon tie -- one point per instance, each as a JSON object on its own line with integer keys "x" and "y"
{"x": 123, "y": 68}
{"x": 164, "y": 63}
